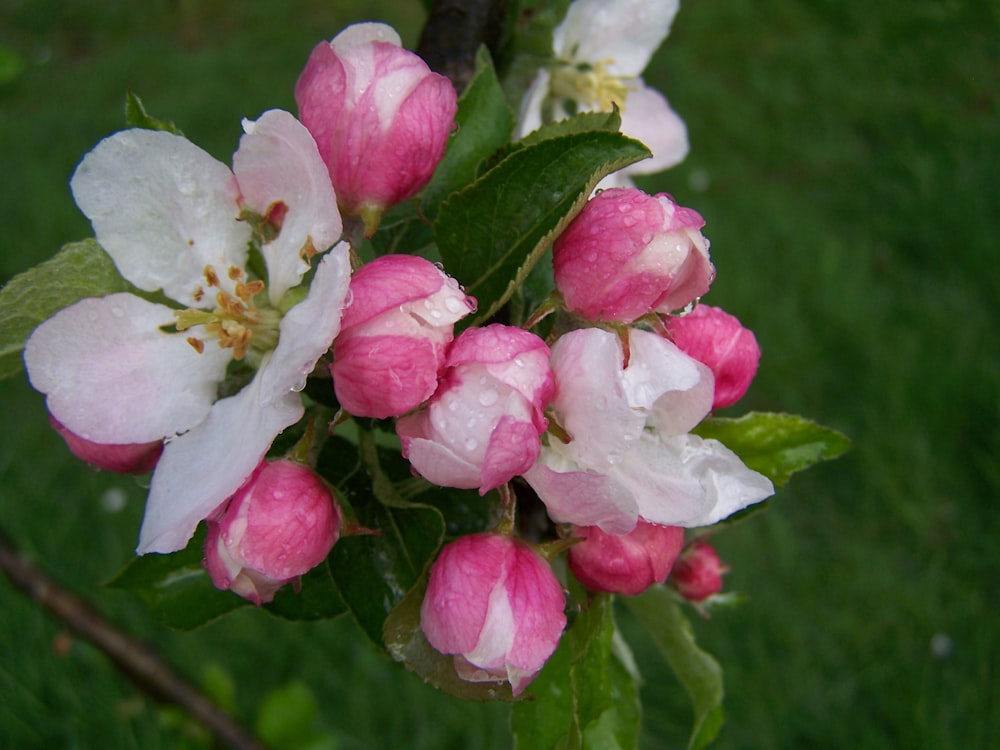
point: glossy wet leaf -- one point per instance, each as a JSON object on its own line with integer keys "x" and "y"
{"x": 493, "y": 232}
{"x": 776, "y": 445}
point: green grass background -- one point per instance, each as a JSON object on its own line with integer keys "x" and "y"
{"x": 846, "y": 157}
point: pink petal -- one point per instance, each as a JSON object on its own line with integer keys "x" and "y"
{"x": 278, "y": 162}
{"x": 112, "y": 376}
{"x": 583, "y": 498}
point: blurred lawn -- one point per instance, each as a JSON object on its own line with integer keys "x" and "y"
{"x": 846, "y": 158}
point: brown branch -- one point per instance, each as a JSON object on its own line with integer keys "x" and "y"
{"x": 454, "y": 32}
{"x": 137, "y": 660}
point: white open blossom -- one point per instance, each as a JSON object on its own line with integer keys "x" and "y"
{"x": 122, "y": 369}
{"x": 630, "y": 454}
{"x": 600, "y": 51}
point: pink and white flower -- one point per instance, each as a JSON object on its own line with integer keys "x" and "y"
{"x": 627, "y": 254}
{"x": 718, "y": 339}
{"x": 497, "y": 606}
{"x": 121, "y": 369}
{"x": 481, "y": 427}
{"x": 600, "y": 51}
{"x": 381, "y": 118}
{"x": 279, "y": 525}
{"x": 626, "y": 563}
{"x": 631, "y": 455}
{"x": 391, "y": 348}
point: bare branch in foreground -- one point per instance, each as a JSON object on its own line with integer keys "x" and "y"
{"x": 137, "y": 660}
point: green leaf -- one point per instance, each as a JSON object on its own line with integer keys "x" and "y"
{"x": 586, "y": 695}
{"x": 136, "y": 116}
{"x": 175, "y": 588}
{"x": 405, "y": 642}
{"x": 485, "y": 122}
{"x": 373, "y": 572}
{"x": 776, "y": 445}
{"x": 494, "y": 231}
{"x": 79, "y": 270}
{"x": 660, "y": 613}
{"x": 580, "y": 123}
{"x": 317, "y": 597}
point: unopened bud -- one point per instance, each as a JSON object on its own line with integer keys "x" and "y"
{"x": 278, "y": 526}
{"x": 698, "y": 572}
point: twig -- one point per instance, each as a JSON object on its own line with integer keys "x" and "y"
{"x": 137, "y": 660}
{"x": 454, "y": 32}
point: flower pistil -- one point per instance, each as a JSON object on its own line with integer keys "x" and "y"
{"x": 237, "y": 323}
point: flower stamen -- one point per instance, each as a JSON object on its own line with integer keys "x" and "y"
{"x": 590, "y": 84}
{"x": 236, "y": 322}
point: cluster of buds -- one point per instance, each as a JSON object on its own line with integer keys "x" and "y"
{"x": 596, "y": 419}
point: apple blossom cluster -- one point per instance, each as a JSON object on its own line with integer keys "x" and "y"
{"x": 248, "y": 281}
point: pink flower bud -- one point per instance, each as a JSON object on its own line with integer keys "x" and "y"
{"x": 482, "y": 426}
{"x": 391, "y": 347}
{"x": 495, "y": 604}
{"x": 279, "y": 525}
{"x": 628, "y": 254}
{"x": 129, "y": 458}
{"x": 698, "y": 572}
{"x": 717, "y": 339}
{"x": 380, "y": 117}
{"x": 627, "y": 564}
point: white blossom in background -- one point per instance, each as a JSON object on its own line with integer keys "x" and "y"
{"x": 600, "y": 51}
{"x": 121, "y": 369}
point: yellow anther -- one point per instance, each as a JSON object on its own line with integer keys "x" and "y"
{"x": 590, "y": 84}
{"x": 235, "y": 322}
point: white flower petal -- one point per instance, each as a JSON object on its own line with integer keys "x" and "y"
{"x": 309, "y": 328}
{"x": 648, "y": 117}
{"x": 625, "y": 31}
{"x": 362, "y": 33}
{"x": 202, "y": 468}
{"x": 530, "y": 118}
{"x": 496, "y": 638}
{"x": 661, "y": 381}
{"x": 591, "y": 402}
{"x": 163, "y": 209}
{"x": 687, "y": 481}
{"x": 278, "y": 162}
{"x": 112, "y": 376}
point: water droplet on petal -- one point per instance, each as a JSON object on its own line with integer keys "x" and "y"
{"x": 518, "y": 361}
{"x": 488, "y": 398}
{"x": 299, "y": 387}
{"x": 471, "y": 444}
{"x": 452, "y": 305}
